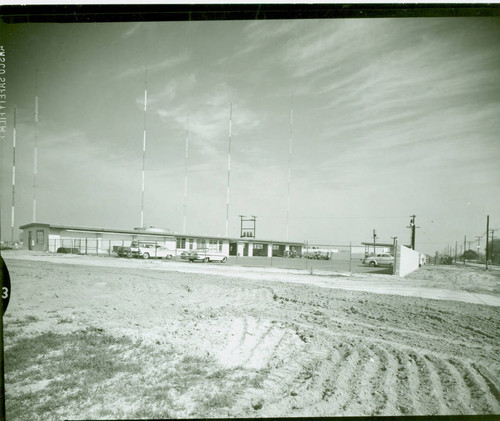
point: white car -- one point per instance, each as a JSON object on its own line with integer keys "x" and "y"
{"x": 381, "y": 259}
{"x": 158, "y": 252}
{"x": 206, "y": 255}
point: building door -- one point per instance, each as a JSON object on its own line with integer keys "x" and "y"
{"x": 245, "y": 249}
{"x": 233, "y": 249}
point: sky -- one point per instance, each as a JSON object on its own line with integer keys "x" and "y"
{"x": 385, "y": 118}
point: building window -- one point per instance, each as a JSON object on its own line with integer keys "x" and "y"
{"x": 191, "y": 244}
{"x": 181, "y": 243}
{"x": 213, "y": 244}
{"x": 220, "y": 245}
{"x": 202, "y": 243}
{"x": 258, "y": 246}
{"x": 39, "y": 237}
{"x": 276, "y": 247}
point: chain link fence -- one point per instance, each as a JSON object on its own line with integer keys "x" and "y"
{"x": 313, "y": 259}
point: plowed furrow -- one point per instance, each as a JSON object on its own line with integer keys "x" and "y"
{"x": 480, "y": 395}
{"x": 437, "y": 392}
{"x": 380, "y": 393}
{"x": 363, "y": 400}
{"x": 429, "y": 394}
{"x": 455, "y": 397}
{"x": 491, "y": 392}
{"x": 405, "y": 401}
{"x": 388, "y": 382}
{"x": 342, "y": 378}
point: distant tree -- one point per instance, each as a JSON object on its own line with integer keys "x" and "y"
{"x": 495, "y": 251}
{"x": 469, "y": 255}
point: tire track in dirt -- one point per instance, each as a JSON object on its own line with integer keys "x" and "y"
{"x": 362, "y": 392}
{"x": 428, "y": 386}
{"x": 488, "y": 379}
{"x": 455, "y": 395}
{"x": 483, "y": 392}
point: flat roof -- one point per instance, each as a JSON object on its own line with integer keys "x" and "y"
{"x": 152, "y": 233}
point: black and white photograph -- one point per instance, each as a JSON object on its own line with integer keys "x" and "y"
{"x": 250, "y": 211}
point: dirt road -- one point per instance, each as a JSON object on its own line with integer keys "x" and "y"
{"x": 323, "y": 345}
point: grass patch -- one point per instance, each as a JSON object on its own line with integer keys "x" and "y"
{"x": 89, "y": 374}
{"x": 72, "y": 364}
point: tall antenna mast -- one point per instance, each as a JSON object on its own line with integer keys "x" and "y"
{"x": 144, "y": 146}
{"x": 289, "y": 168}
{"x": 13, "y": 174}
{"x": 35, "y": 159}
{"x": 228, "y": 166}
{"x": 185, "y": 175}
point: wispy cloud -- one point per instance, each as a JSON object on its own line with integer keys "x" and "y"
{"x": 155, "y": 67}
{"x": 132, "y": 30}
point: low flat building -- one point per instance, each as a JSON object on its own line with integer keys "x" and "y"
{"x": 101, "y": 241}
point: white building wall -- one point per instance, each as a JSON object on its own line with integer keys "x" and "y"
{"x": 407, "y": 261}
{"x": 225, "y": 247}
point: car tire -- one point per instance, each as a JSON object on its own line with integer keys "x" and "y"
{"x": 129, "y": 255}
{"x": 224, "y": 260}
{"x": 373, "y": 264}
{"x": 206, "y": 260}
{"x": 169, "y": 257}
{"x": 145, "y": 255}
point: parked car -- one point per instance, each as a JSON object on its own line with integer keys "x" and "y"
{"x": 206, "y": 255}
{"x": 152, "y": 251}
{"x": 381, "y": 259}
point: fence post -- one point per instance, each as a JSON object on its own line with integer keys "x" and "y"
{"x": 109, "y": 250}
{"x": 86, "y": 249}
{"x": 350, "y": 256}
{"x": 97, "y": 246}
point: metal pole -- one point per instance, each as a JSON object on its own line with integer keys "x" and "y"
{"x": 492, "y": 252}
{"x": 185, "y": 177}
{"x": 487, "y": 239}
{"x": 229, "y": 166}
{"x": 465, "y": 245}
{"x": 35, "y": 159}
{"x": 289, "y": 169}
{"x": 144, "y": 147}
{"x": 350, "y": 256}
{"x": 13, "y": 176}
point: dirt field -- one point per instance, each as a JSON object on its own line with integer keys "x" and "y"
{"x": 272, "y": 342}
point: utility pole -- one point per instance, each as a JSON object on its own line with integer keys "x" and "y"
{"x": 289, "y": 169}
{"x": 374, "y": 238}
{"x": 492, "y": 245}
{"x": 465, "y": 245}
{"x": 487, "y": 239}
{"x": 13, "y": 177}
{"x": 456, "y": 251}
{"x": 478, "y": 247}
{"x": 413, "y": 227}
{"x": 395, "y": 248}
{"x": 186, "y": 156}
{"x": 229, "y": 166}
{"x": 144, "y": 146}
